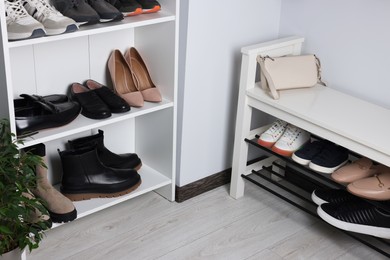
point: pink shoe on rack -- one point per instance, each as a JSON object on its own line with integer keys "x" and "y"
{"x": 141, "y": 76}
{"x": 122, "y": 80}
{"x": 376, "y": 187}
{"x": 359, "y": 169}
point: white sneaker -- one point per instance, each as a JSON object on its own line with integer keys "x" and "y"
{"x": 269, "y": 137}
{"x": 20, "y": 25}
{"x": 53, "y": 21}
{"x": 292, "y": 139}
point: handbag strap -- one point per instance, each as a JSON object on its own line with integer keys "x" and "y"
{"x": 265, "y": 79}
{"x": 318, "y": 63}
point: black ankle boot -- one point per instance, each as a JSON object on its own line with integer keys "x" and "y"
{"x": 85, "y": 176}
{"x": 108, "y": 158}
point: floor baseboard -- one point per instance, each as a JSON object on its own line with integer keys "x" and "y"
{"x": 206, "y": 184}
{"x": 203, "y": 185}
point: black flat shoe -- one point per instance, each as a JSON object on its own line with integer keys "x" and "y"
{"x": 92, "y": 105}
{"x": 113, "y": 101}
{"x": 41, "y": 114}
{"x": 28, "y": 100}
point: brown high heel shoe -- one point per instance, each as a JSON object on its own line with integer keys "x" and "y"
{"x": 122, "y": 80}
{"x": 141, "y": 76}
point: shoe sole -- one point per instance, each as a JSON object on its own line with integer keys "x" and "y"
{"x": 265, "y": 143}
{"x": 299, "y": 160}
{"x": 317, "y": 200}
{"x": 68, "y": 29}
{"x": 22, "y": 36}
{"x": 285, "y": 153}
{"x": 63, "y": 218}
{"x": 87, "y": 196}
{"x": 322, "y": 169}
{"x": 152, "y": 10}
{"x": 138, "y": 167}
{"x": 113, "y": 19}
{"x": 136, "y": 12}
{"x": 358, "y": 228}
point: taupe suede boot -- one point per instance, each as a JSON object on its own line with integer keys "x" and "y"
{"x": 60, "y": 208}
{"x": 40, "y": 213}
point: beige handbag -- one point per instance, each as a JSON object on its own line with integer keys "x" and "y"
{"x": 289, "y": 72}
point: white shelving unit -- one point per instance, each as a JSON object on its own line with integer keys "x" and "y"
{"x": 49, "y": 65}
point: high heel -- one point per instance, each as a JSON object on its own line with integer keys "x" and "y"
{"x": 141, "y": 76}
{"x": 123, "y": 81}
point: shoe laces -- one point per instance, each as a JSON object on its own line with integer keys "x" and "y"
{"x": 15, "y": 10}
{"x": 277, "y": 128}
{"x": 75, "y": 3}
{"x": 291, "y": 133}
{"x": 44, "y": 9}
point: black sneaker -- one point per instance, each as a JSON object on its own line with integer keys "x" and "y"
{"x": 329, "y": 159}
{"x": 310, "y": 150}
{"x": 335, "y": 196}
{"x": 106, "y": 11}
{"x": 127, "y": 7}
{"x": 149, "y": 6}
{"x": 78, "y": 10}
{"x": 358, "y": 216}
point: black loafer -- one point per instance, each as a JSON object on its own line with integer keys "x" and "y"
{"x": 28, "y": 100}
{"x": 113, "y": 101}
{"x": 92, "y": 105}
{"x": 42, "y": 114}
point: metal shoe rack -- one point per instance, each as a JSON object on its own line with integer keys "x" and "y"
{"x": 300, "y": 181}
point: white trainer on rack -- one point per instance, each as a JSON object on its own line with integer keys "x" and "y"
{"x": 292, "y": 139}
{"x": 272, "y": 134}
{"x": 21, "y": 25}
{"x": 53, "y": 21}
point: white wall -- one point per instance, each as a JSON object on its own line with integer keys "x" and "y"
{"x": 352, "y": 39}
{"x": 208, "y": 86}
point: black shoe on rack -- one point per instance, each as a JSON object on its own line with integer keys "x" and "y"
{"x": 106, "y": 11}
{"x": 114, "y": 102}
{"x": 92, "y": 105}
{"x": 78, "y": 10}
{"x": 38, "y": 113}
{"x": 321, "y": 196}
{"x": 149, "y": 6}
{"x": 127, "y": 7}
{"x": 330, "y": 158}
{"x": 55, "y": 99}
{"x": 357, "y": 216}
{"x": 309, "y": 151}
{"x": 86, "y": 177}
{"x": 108, "y": 158}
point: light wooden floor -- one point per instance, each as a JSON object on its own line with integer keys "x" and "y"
{"x": 210, "y": 226}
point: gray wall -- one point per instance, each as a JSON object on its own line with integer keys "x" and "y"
{"x": 352, "y": 39}
{"x": 216, "y": 31}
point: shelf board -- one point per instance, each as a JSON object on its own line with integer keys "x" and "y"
{"x": 126, "y": 23}
{"x": 151, "y": 180}
{"x": 82, "y": 123}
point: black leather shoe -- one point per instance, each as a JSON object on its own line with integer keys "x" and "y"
{"x": 92, "y": 105}
{"x": 85, "y": 176}
{"x": 41, "y": 114}
{"x": 30, "y": 99}
{"x": 108, "y": 158}
{"x": 113, "y": 101}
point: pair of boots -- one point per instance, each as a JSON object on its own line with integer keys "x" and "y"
{"x": 60, "y": 208}
{"x": 90, "y": 170}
